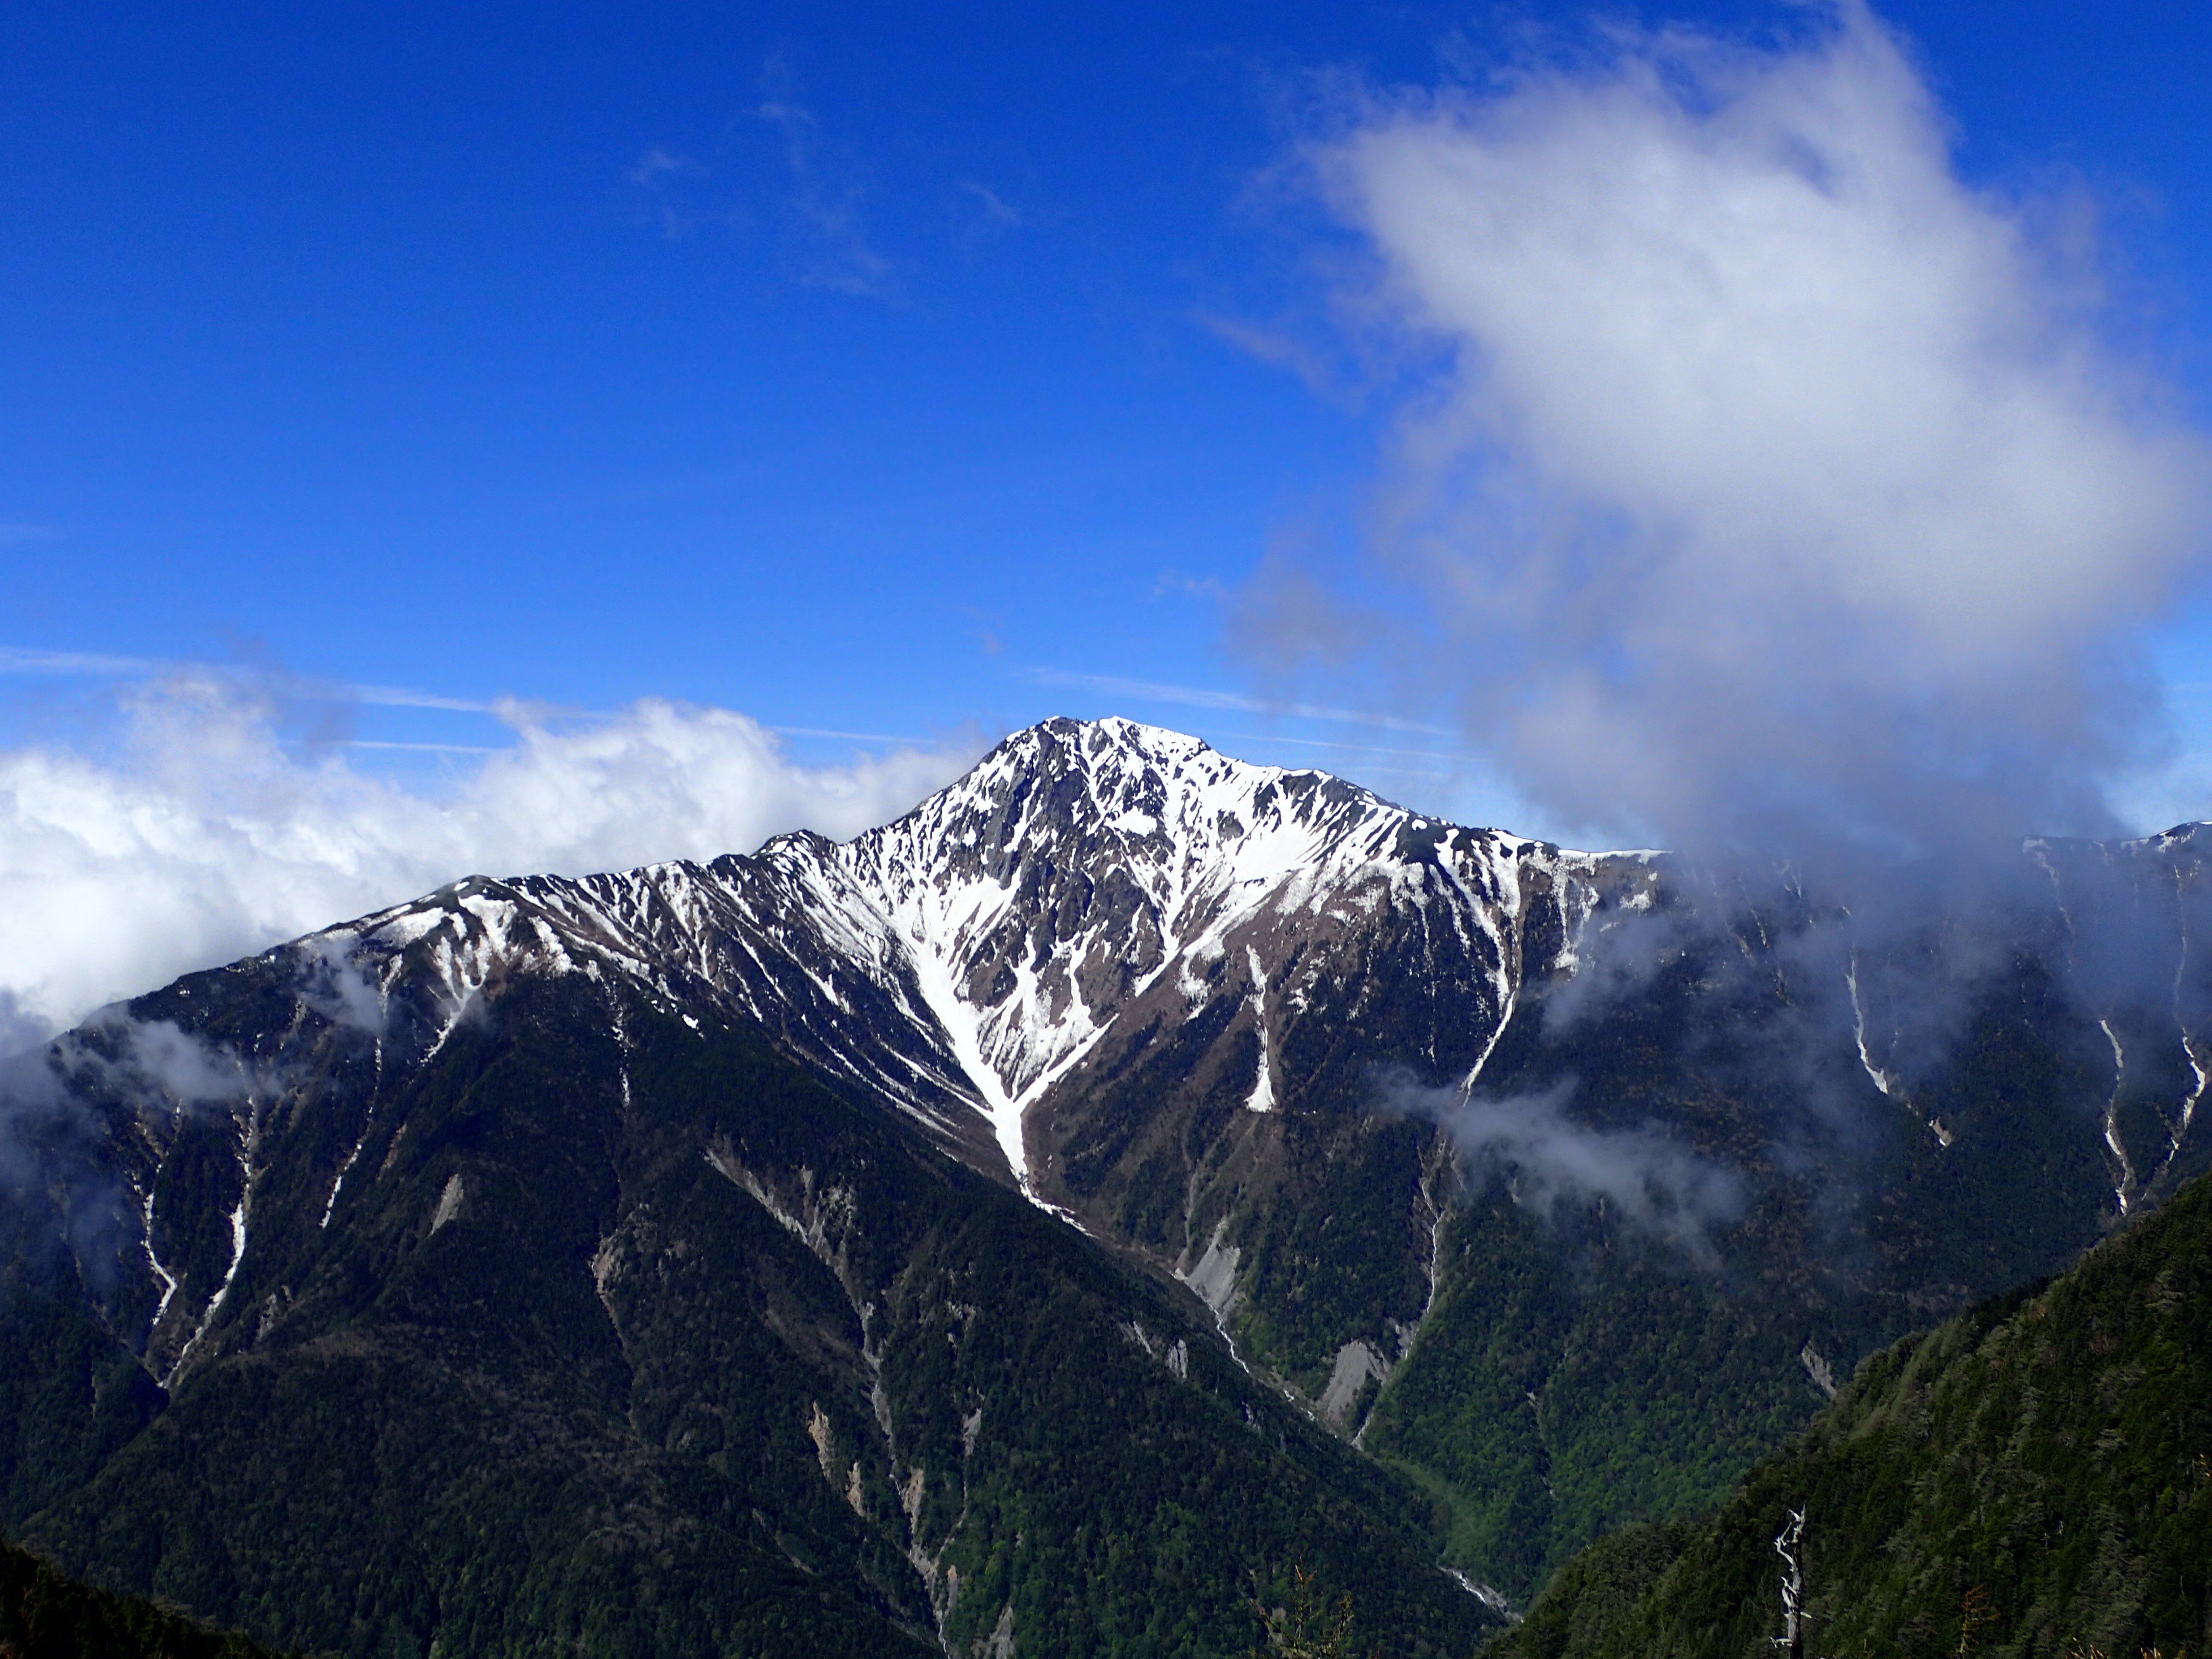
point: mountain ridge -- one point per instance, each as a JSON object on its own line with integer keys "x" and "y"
{"x": 928, "y": 947}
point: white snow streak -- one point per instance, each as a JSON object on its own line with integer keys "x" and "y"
{"x": 1262, "y": 1098}
{"x": 2112, "y": 1118}
{"x": 333, "y": 1202}
{"x": 2189, "y": 1106}
{"x": 168, "y": 1279}
{"x": 1883, "y": 1079}
{"x": 222, "y": 1290}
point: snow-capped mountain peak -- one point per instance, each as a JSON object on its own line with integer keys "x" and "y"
{"x": 968, "y": 957}
{"x": 1082, "y": 861}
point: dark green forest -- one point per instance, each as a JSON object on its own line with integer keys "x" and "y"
{"x": 2031, "y": 1479}
{"x": 665, "y": 1348}
{"x": 46, "y": 1614}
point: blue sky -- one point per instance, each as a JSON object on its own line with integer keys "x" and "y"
{"x": 359, "y": 342}
{"x": 906, "y": 373}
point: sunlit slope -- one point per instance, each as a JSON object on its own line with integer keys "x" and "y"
{"x": 2034, "y": 1477}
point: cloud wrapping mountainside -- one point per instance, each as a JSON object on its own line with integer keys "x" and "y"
{"x": 204, "y": 837}
{"x": 1655, "y": 1181}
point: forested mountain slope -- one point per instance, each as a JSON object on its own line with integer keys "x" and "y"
{"x": 633, "y": 1336}
{"x": 844, "y": 1243}
{"x": 46, "y": 1614}
{"x": 2031, "y": 1477}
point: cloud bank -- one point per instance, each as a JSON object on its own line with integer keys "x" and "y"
{"x": 1769, "y": 483}
{"x": 205, "y": 838}
{"x": 1647, "y": 1178}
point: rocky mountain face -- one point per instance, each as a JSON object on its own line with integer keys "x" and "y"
{"x": 809, "y": 1225}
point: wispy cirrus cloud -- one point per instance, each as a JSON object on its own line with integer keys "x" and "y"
{"x": 1192, "y": 696}
{"x": 1171, "y": 580}
{"x": 832, "y": 247}
{"x": 994, "y": 205}
{"x": 72, "y": 665}
{"x": 1280, "y": 349}
{"x": 657, "y": 164}
{"x": 93, "y": 665}
{"x": 661, "y": 174}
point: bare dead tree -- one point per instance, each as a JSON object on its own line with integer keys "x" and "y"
{"x": 1792, "y": 1639}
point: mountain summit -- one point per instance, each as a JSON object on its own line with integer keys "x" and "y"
{"x": 964, "y": 960}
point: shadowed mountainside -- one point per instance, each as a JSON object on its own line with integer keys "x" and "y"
{"x": 46, "y": 1614}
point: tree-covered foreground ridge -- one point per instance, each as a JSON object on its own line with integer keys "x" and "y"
{"x": 2033, "y": 1478}
{"x": 1048, "y": 1223}
{"x": 46, "y": 1614}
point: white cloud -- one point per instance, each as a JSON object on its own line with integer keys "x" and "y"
{"x": 1202, "y": 697}
{"x": 1775, "y": 481}
{"x": 993, "y": 203}
{"x": 1648, "y": 1178}
{"x": 204, "y": 837}
{"x": 657, "y": 163}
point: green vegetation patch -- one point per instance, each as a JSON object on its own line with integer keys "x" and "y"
{"x": 2031, "y": 1479}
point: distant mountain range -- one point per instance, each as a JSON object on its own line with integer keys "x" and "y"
{"x": 1039, "y": 1224}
